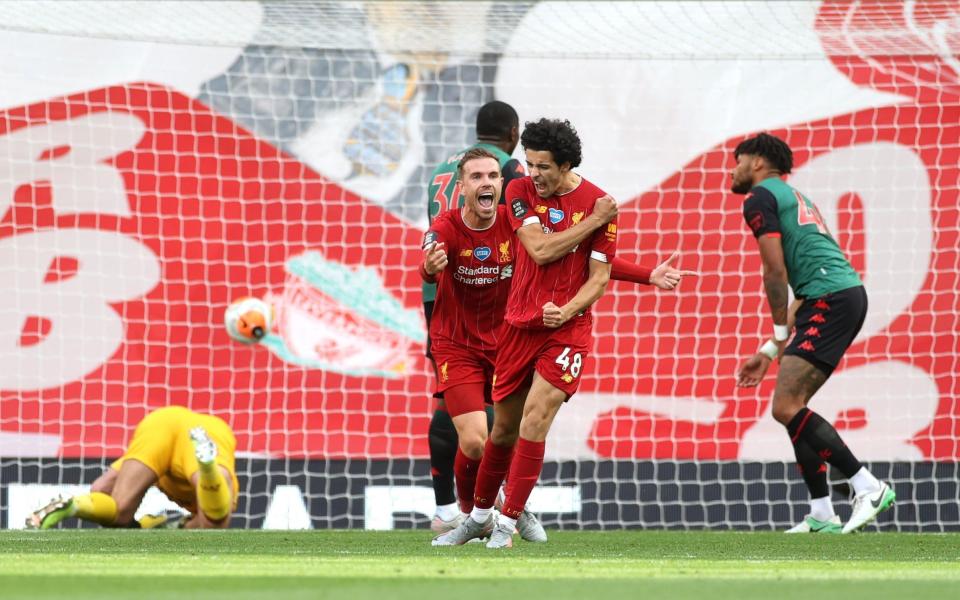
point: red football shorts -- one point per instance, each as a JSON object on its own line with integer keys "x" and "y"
{"x": 458, "y": 366}
{"x": 559, "y": 355}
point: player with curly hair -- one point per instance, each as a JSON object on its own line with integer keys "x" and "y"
{"x": 547, "y": 331}
{"x": 798, "y": 251}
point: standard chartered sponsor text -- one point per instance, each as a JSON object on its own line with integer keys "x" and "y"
{"x": 478, "y": 276}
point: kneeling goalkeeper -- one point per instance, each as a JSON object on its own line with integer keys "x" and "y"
{"x": 187, "y": 455}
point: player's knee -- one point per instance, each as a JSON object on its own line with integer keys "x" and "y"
{"x": 785, "y": 409}
{"x": 472, "y": 442}
{"x": 534, "y": 429}
{"x": 503, "y": 435}
{"x": 536, "y": 422}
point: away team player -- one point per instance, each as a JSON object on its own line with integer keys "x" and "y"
{"x": 189, "y": 456}
{"x": 797, "y": 250}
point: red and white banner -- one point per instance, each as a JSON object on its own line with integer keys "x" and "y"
{"x": 131, "y": 215}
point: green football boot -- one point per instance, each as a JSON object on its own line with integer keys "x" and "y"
{"x": 811, "y": 525}
{"x": 50, "y": 515}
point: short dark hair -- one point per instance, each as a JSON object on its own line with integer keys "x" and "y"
{"x": 770, "y": 147}
{"x": 496, "y": 119}
{"x": 473, "y": 154}
{"x": 556, "y": 136}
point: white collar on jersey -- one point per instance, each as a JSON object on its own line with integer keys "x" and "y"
{"x": 475, "y": 228}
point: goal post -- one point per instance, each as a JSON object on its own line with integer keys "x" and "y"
{"x": 160, "y": 160}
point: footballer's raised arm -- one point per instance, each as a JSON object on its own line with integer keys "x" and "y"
{"x": 545, "y": 248}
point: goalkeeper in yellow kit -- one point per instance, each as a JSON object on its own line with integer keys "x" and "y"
{"x": 189, "y": 456}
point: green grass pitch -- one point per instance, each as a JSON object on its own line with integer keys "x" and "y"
{"x": 234, "y": 565}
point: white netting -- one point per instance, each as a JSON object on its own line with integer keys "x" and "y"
{"x": 159, "y": 160}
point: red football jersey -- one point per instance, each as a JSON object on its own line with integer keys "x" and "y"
{"x": 472, "y": 290}
{"x": 559, "y": 281}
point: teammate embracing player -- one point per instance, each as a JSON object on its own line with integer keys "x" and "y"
{"x": 468, "y": 309}
{"x": 565, "y": 228}
{"x": 796, "y": 249}
{"x": 471, "y": 253}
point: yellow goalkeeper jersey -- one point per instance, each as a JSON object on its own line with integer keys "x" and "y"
{"x": 162, "y": 442}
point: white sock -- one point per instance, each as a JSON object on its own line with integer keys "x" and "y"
{"x": 448, "y": 511}
{"x": 480, "y": 515}
{"x": 821, "y": 509}
{"x": 864, "y": 482}
{"x": 504, "y": 520}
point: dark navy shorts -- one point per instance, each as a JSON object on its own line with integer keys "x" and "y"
{"x": 826, "y": 327}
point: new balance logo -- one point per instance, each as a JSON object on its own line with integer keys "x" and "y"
{"x": 818, "y": 318}
{"x": 812, "y": 332}
{"x": 806, "y": 345}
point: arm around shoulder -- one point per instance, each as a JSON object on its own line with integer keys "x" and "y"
{"x": 545, "y": 248}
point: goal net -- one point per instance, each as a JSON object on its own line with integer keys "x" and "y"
{"x": 160, "y": 160}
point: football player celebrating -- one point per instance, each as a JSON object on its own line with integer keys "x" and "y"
{"x": 590, "y": 216}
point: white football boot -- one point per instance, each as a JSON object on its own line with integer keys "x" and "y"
{"x": 468, "y": 530}
{"x": 867, "y": 506}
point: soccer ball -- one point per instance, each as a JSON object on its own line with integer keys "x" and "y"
{"x": 248, "y": 320}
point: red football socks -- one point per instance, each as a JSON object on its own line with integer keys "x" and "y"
{"x": 493, "y": 468}
{"x": 465, "y": 471}
{"x": 524, "y": 474}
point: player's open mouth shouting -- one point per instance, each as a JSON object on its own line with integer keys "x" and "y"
{"x": 486, "y": 199}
